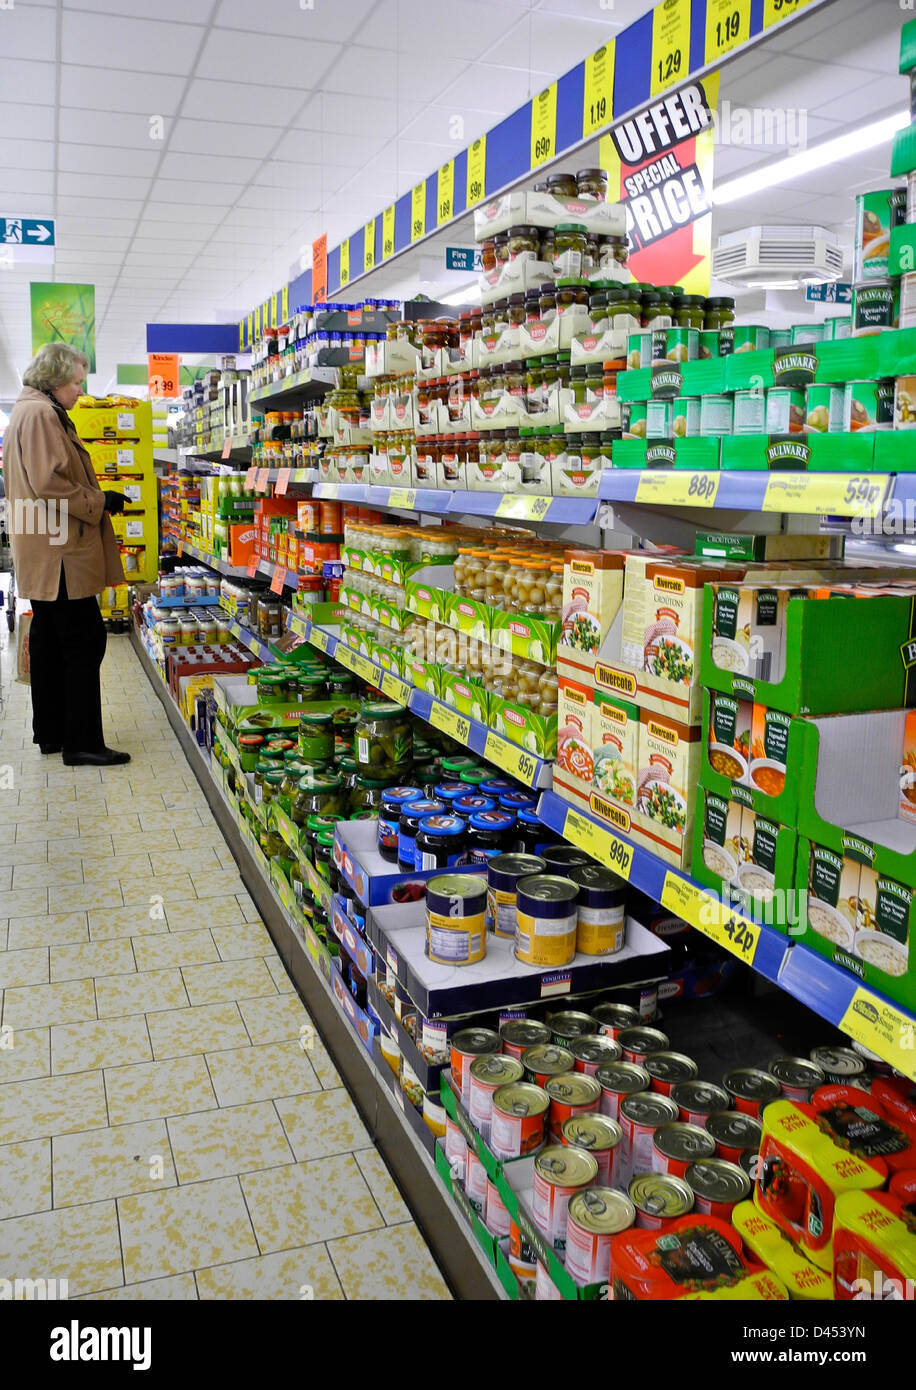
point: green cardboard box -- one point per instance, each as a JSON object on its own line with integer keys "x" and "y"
{"x": 840, "y": 452}
{"x": 536, "y": 733}
{"x": 746, "y": 857}
{"x": 465, "y": 695}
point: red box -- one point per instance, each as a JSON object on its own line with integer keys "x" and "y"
{"x": 242, "y": 540}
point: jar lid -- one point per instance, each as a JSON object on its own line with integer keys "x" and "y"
{"x": 494, "y": 819}
{"x": 690, "y": 301}
{"x": 311, "y": 783}
{"x": 574, "y": 282}
{"x": 525, "y": 231}
{"x": 592, "y": 174}
{"x": 442, "y": 825}
{"x": 317, "y": 717}
{"x": 372, "y": 783}
{"x": 527, "y": 816}
{"x": 325, "y": 838}
{"x": 719, "y": 302}
{"x": 383, "y": 709}
{"x": 276, "y": 778}
{"x": 579, "y": 227}
{"x": 322, "y": 821}
{"x": 263, "y": 768}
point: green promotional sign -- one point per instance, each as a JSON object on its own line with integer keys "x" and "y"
{"x": 64, "y": 314}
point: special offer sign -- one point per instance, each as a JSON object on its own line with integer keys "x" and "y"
{"x": 659, "y": 165}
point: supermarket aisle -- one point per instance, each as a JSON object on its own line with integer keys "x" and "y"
{"x": 162, "y": 1132}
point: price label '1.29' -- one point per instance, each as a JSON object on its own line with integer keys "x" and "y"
{"x": 670, "y": 44}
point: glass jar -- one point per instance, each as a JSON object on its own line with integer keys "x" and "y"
{"x": 553, "y": 592}
{"x": 612, "y": 251}
{"x": 260, "y": 772}
{"x": 624, "y": 309}
{"x": 272, "y": 687}
{"x": 548, "y": 689}
{"x": 690, "y": 311}
{"x": 366, "y": 794}
{"x": 563, "y": 186}
{"x": 532, "y": 306}
{"x": 571, "y": 291}
{"x": 513, "y": 380}
{"x": 319, "y": 795}
{"x": 591, "y": 185}
{"x": 531, "y": 586}
{"x": 547, "y": 303}
{"x": 569, "y": 248}
{"x": 516, "y": 310}
{"x": 501, "y": 243}
{"x": 597, "y": 310}
{"x": 488, "y": 254}
{"x": 548, "y": 245}
{"x": 316, "y": 734}
{"x": 270, "y": 616}
{"x": 720, "y": 313}
{"x": 384, "y": 738}
{"x": 524, "y": 243}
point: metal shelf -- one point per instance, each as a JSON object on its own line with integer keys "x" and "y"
{"x": 560, "y": 511}
{"x": 309, "y": 384}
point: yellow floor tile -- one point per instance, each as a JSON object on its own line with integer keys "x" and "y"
{"x": 164, "y": 886}
{"x": 170, "y": 820}
{"x": 191, "y": 861}
{"x": 278, "y": 974}
{"x": 393, "y": 1264}
{"x": 91, "y": 1046}
{"x": 205, "y": 837}
{"x": 71, "y": 1001}
{"x": 218, "y": 884}
{"x": 175, "y": 949}
{"x": 26, "y": 1054}
{"x": 245, "y": 1074}
{"x": 162, "y": 842}
{"x": 11, "y": 853}
{"x": 113, "y": 1162}
{"x": 176, "y": 1286}
{"x": 52, "y": 1105}
{"x": 102, "y": 824}
{"x": 60, "y": 873}
{"x": 307, "y": 1273}
{"x": 28, "y": 902}
{"x": 323, "y": 1067}
{"x": 120, "y": 922}
{"x": 241, "y": 942}
{"x": 151, "y": 992}
{"x": 154, "y": 1090}
{"x": 25, "y": 1179}
{"x": 306, "y": 1202}
{"x": 194, "y": 915}
{"x": 28, "y": 967}
{"x": 79, "y": 1244}
{"x": 88, "y": 898}
{"x": 185, "y": 1228}
{"x": 97, "y": 958}
{"x": 215, "y": 984}
{"x": 276, "y": 1019}
{"x": 218, "y": 1143}
{"x": 64, "y": 929}
{"x": 86, "y": 846}
{"x": 382, "y": 1185}
{"x": 119, "y": 868}
{"x": 209, "y": 1027}
{"x": 321, "y": 1125}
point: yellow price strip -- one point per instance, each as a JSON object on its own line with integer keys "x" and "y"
{"x": 284, "y": 304}
{"x": 388, "y": 232}
{"x": 826, "y": 494}
{"x": 449, "y": 721}
{"x": 445, "y": 193}
{"x": 670, "y": 44}
{"x": 728, "y": 929}
{"x": 418, "y": 211}
{"x": 674, "y": 488}
{"x": 544, "y": 125}
{"x": 369, "y": 245}
{"x": 598, "y": 104}
{"x": 524, "y": 508}
{"x": 728, "y": 24}
{"x": 365, "y": 669}
{"x": 608, "y": 849}
{"x": 319, "y": 639}
{"x": 395, "y": 688}
{"x": 345, "y": 262}
{"x": 345, "y": 655}
{"x": 774, "y": 11}
{"x": 403, "y": 497}
{"x": 477, "y": 171}
{"x": 511, "y": 759}
{"x": 883, "y": 1028}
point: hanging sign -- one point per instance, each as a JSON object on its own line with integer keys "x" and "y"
{"x": 320, "y": 269}
{"x": 659, "y": 164}
{"x": 63, "y": 314}
{"x": 163, "y": 376}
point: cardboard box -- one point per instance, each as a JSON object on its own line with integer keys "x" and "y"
{"x": 746, "y": 857}
{"x": 593, "y": 590}
{"x": 133, "y": 421}
{"x": 575, "y": 764}
{"x": 749, "y": 745}
{"x": 669, "y": 766}
{"x": 242, "y": 540}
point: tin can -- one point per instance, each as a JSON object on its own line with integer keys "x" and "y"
{"x": 874, "y": 307}
{"x": 504, "y": 873}
{"x": 517, "y": 1034}
{"x": 566, "y": 1026}
{"x": 308, "y": 517}
{"x": 640, "y": 1117}
{"x": 797, "y": 1076}
{"x": 522, "y": 1259}
{"x": 668, "y": 1068}
{"x": 685, "y": 417}
{"x": 465, "y": 1047}
{"x": 600, "y": 924}
{"x": 593, "y": 1218}
{"x": 697, "y": 1099}
{"x": 592, "y": 1052}
{"x": 749, "y": 412}
{"x": 734, "y": 1134}
{"x": 433, "y": 1037}
{"x": 613, "y": 1018}
{"x": 330, "y": 518}
{"x": 638, "y": 1043}
{"x": 751, "y": 1089}
{"x": 675, "y": 1146}
{"x": 518, "y": 1120}
{"x": 570, "y": 1094}
{"x": 545, "y": 1060}
{"x": 619, "y": 1079}
{"x": 840, "y": 1065}
{"x": 475, "y": 1182}
{"x": 639, "y": 351}
{"x": 905, "y": 403}
{"x": 785, "y": 410}
{"x": 869, "y": 405}
{"x": 903, "y": 1186}
{"x": 545, "y": 1290}
{"x": 488, "y": 1074}
{"x": 676, "y": 345}
{"x": 545, "y": 920}
{"x": 717, "y": 1186}
{"x": 659, "y": 1199}
{"x": 456, "y": 1150}
{"x": 456, "y": 919}
{"x": 434, "y": 1114}
{"x": 559, "y": 1173}
{"x": 561, "y": 858}
{"x": 600, "y": 1135}
{"x": 496, "y": 1215}
{"x": 747, "y": 337}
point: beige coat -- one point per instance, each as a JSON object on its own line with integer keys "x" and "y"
{"x": 44, "y": 462}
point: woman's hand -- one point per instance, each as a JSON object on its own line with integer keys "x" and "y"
{"x": 115, "y": 502}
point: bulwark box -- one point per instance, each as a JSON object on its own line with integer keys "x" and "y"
{"x": 745, "y": 855}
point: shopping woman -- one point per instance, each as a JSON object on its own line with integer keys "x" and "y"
{"x": 64, "y": 553}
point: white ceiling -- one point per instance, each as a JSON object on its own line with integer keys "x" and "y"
{"x": 282, "y": 122}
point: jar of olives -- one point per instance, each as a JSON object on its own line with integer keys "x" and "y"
{"x": 570, "y": 292}
{"x": 384, "y": 739}
{"x": 591, "y": 185}
{"x": 547, "y": 303}
{"x": 563, "y": 186}
{"x": 569, "y": 248}
{"x": 524, "y": 243}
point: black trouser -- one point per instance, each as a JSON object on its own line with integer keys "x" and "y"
{"x": 67, "y": 642}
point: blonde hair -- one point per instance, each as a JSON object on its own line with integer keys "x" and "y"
{"x": 54, "y": 365}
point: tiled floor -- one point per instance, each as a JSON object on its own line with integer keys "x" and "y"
{"x": 163, "y": 1134}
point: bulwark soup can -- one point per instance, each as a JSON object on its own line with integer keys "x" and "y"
{"x": 545, "y": 920}
{"x": 456, "y": 919}
{"x": 874, "y": 307}
{"x": 559, "y": 1173}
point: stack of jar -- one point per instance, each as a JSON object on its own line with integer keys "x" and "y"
{"x": 522, "y": 682}
{"x": 571, "y": 249}
{"x": 518, "y": 576}
{"x": 188, "y": 627}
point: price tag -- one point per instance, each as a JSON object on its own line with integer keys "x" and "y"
{"x": 364, "y": 668}
{"x": 369, "y": 245}
{"x": 395, "y": 689}
{"x": 728, "y": 24}
{"x": 319, "y": 639}
{"x": 449, "y": 721}
{"x": 675, "y": 488}
{"x": 388, "y": 232}
{"x": 263, "y": 480}
{"x": 180, "y": 549}
{"x": 250, "y": 479}
{"x": 445, "y": 193}
{"x": 544, "y": 125}
{"x": 282, "y": 483}
{"x": 601, "y": 844}
{"x": 345, "y": 655}
{"x": 729, "y": 929}
{"x": 284, "y": 304}
{"x": 826, "y": 494}
{"x": 776, "y": 10}
{"x": 598, "y": 104}
{"x": 345, "y": 262}
{"x": 524, "y": 508}
{"x": 276, "y": 583}
{"x": 403, "y": 497}
{"x": 670, "y": 44}
{"x": 883, "y": 1028}
{"x": 477, "y": 171}
{"x": 418, "y": 211}
{"x": 512, "y": 759}
{"x": 251, "y": 568}
{"x": 227, "y": 447}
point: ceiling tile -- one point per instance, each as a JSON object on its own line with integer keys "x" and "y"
{"x": 195, "y": 191}
{"x": 112, "y": 185}
{"x": 292, "y": 63}
{"x": 32, "y": 183}
{"x": 93, "y": 159}
{"x": 97, "y": 88}
{"x": 159, "y": 212}
{"x": 214, "y": 168}
{"x": 177, "y": 11}
{"x": 476, "y": 86}
{"x": 223, "y": 138}
{"x": 283, "y": 173}
{"x": 231, "y": 99}
{"x": 321, "y": 22}
{"x": 552, "y": 43}
{"x": 435, "y": 123}
{"x": 28, "y": 82}
{"x": 28, "y": 31}
{"x": 127, "y": 131}
{"x": 26, "y": 122}
{"x": 26, "y": 154}
{"x": 98, "y": 207}
{"x": 437, "y": 29}
{"x": 136, "y": 45}
{"x": 353, "y": 114}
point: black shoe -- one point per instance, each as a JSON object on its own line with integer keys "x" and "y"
{"x": 107, "y": 757}
{"x": 50, "y": 747}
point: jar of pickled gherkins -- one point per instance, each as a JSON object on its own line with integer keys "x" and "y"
{"x": 532, "y": 306}
{"x": 597, "y": 309}
{"x": 690, "y": 311}
{"x": 534, "y": 383}
{"x": 516, "y": 310}
{"x": 570, "y": 292}
{"x": 319, "y": 795}
{"x": 272, "y": 844}
{"x": 384, "y": 738}
{"x": 624, "y": 309}
{"x": 316, "y": 734}
{"x": 612, "y": 251}
{"x": 548, "y": 245}
{"x": 594, "y": 382}
{"x": 514, "y": 380}
{"x": 260, "y": 772}
{"x": 272, "y": 784}
{"x": 720, "y": 313}
{"x": 366, "y": 793}
{"x": 547, "y": 303}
